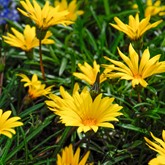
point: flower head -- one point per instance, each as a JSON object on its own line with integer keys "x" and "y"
{"x": 7, "y": 124}
{"x": 68, "y": 157}
{"x": 154, "y": 8}
{"x": 25, "y": 41}
{"x": 159, "y": 147}
{"x": 135, "y": 28}
{"x": 71, "y": 7}
{"x": 44, "y": 17}
{"x": 89, "y": 73}
{"x": 82, "y": 111}
{"x": 135, "y": 69}
{"x": 36, "y": 88}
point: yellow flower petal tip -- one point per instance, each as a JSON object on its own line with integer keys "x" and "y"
{"x": 7, "y": 124}
{"x": 159, "y": 147}
{"x": 72, "y": 8}
{"x": 68, "y": 156}
{"x": 154, "y": 8}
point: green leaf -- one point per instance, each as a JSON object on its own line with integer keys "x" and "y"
{"x": 63, "y": 66}
{"x": 133, "y": 128}
{"x": 140, "y": 6}
{"x": 31, "y": 110}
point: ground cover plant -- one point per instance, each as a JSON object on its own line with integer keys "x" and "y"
{"x": 82, "y": 82}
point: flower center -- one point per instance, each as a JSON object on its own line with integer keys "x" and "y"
{"x": 89, "y": 121}
{"x": 137, "y": 76}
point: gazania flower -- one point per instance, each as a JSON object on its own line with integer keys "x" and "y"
{"x": 135, "y": 28}
{"x": 136, "y": 69}
{"x": 82, "y": 111}
{"x": 36, "y": 88}
{"x": 71, "y": 7}
{"x": 89, "y": 73}
{"x": 159, "y": 147}
{"x": 26, "y": 40}
{"x": 44, "y": 17}
{"x": 7, "y": 124}
{"x": 68, "y": 157}
{"x": 154, "y": 8}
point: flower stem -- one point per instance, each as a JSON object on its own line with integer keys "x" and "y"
{"x": 41, "y": 62}
{"x": 139, "y": 90}
{"x": 139, "y": 98}
{"x": 86, "y": 139}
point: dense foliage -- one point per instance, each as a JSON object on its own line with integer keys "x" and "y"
{"x": 89, "y": 38}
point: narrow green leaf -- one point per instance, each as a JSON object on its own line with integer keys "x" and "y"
{"x": 106, "y": 7}
{"x": 5, "y": 152}
{"x": 134, "y": 128}
{"x": 95, "y": 16}
{"x": 140, "y": 6}
{"x": 63, "y": 66}
{"x": 31, "y": 109}
{"x": 91, "y": 39}
{"x": 62, "y": 140}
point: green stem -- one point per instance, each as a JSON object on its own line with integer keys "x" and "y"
{"x": 86, "y": 139}
{"x": 139, "y": 98}
{"x": 139, "y": 90}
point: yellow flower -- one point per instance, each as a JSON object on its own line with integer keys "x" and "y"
{"x": 7, "y": 124}
{"x": 68, "y": 157}
{"x": 44, "y": 17}
{"x": 159, "y": 147}
{"x": 136, "y": 69}
{"x": 89, "y": 73}
{"x": 71, "y": 7}
{"x": 154, "y": 9}
{"x": 135, "y": 6}
{"x": 36, "y": 88}
{"x": 135, "y": 28}
{"x": 26, "y": 40}
{"x": 82, "y": 111}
